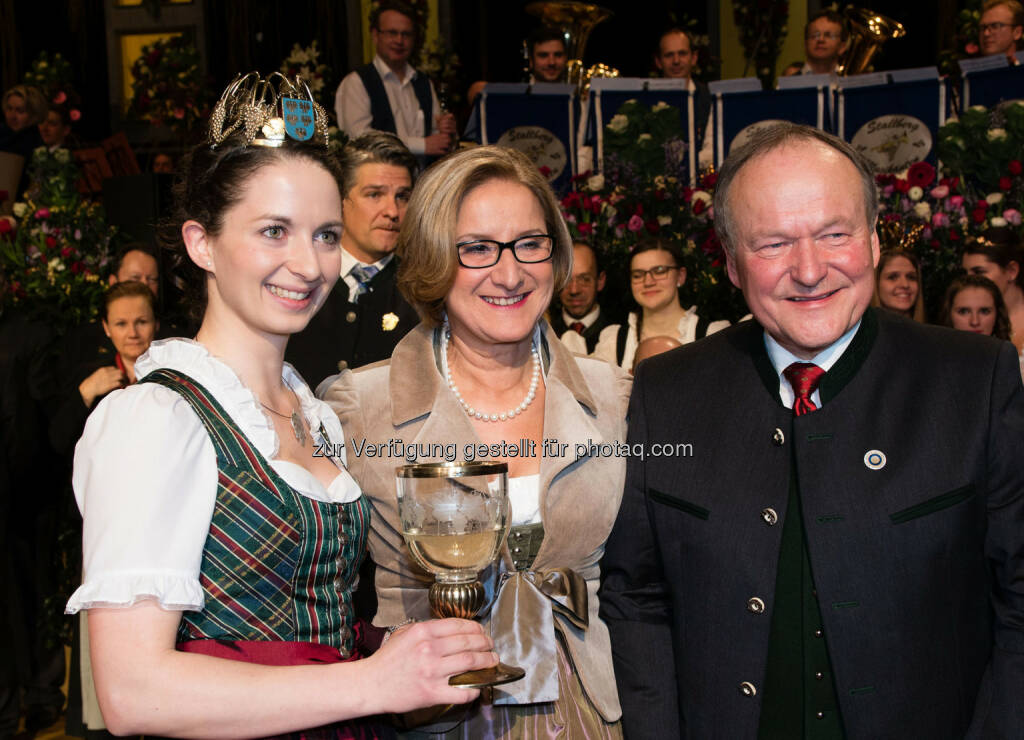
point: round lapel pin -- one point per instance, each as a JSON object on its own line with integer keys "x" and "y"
{"x": 874, "y": 459}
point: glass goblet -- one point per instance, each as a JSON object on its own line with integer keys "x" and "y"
{"x": 454, "y": 519}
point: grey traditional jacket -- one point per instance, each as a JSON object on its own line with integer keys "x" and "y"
{"x": 406, "y": 399}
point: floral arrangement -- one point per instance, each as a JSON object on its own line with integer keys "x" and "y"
{"x": 52, "y": 77}
{"x": 762, "y": 29}
{"x": 438, "y": 61}
{"x": 167, "y": 87}
{"x": 645, "y": 139}
{"x": 55, "y": 256}
{"x": 965, "y": 39}
{"x": 305, "y": 62}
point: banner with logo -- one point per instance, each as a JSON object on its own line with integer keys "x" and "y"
{"x": 540, "y": 120}
{"x": 894, "y": 125}
{"x": 608, "y": 94}
{"x": 739, "y": 114}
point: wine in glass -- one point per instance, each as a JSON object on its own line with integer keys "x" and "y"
{"x": 454, "y": 519}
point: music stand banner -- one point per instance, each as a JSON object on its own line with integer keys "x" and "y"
{"x": 737, "y": 115}
{"x": 989, "y": 87}
{"x": 894, "y": 125}
{"x": 539, "y": 120}
{"x": 607, "y": 95}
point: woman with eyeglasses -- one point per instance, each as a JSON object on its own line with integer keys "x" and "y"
{"x": 483, "y": 248}
{"x": 655, "y": 276}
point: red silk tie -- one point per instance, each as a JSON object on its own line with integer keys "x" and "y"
{"x": 804, "y": 378}
{"x": 578, "y": 327}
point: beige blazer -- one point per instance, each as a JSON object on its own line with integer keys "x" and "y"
{"x": 406, "y": 399}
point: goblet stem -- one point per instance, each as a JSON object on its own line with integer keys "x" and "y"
{"x": 463, "y": 600}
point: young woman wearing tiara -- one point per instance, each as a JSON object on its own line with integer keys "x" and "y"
{"x": 220, "y": 550}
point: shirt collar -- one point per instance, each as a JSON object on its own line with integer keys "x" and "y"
{"x": 587, "y": 320}
{"x": 385, "y": 70}
{"x": 348, "y": 262}
{"x": 781, "y": 358}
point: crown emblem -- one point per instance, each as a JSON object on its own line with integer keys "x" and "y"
{"x": 267, "y": 111}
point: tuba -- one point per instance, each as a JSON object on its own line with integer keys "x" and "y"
{"x": 576, "y": 20}
{"x": 868, "y": 31}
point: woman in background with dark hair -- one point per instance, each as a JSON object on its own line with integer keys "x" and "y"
{"x": 220, "y": 550}
{"x": 996, "y": 255}
{"x": 898, "y": 284}
{"x": 656, "y": 274}
{"x": 974, "y": 303}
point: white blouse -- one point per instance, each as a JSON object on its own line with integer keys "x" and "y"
{"x": 524, "y": 498}
{"x": 686, "y": 332}
{"x": 145, "y": 478}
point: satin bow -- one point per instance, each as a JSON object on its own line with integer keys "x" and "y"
{"x": 523, "y": 628}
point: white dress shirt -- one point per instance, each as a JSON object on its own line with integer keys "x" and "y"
{"x": 352, "y": 105}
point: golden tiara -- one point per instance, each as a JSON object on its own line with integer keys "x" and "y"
{"x": 268, "y": 111}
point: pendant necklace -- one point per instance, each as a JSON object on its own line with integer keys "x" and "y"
{"x": 298, "y": 428}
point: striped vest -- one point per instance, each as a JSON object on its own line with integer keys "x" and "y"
{"x": 277, "y": 565}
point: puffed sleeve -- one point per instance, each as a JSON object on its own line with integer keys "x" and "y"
{"x": 145, "y": 480}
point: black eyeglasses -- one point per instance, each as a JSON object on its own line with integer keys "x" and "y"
{"x": 486, "y": 252}
{"x": 994, "y": 27}
{"x": 657, "y": 272}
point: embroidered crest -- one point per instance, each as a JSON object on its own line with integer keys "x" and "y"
{"x": 389, "y": 321}
{"x": 298, "y": 118}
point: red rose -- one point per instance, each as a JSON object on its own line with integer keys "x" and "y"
{"x": 1015, "y": 167}
{"x": 585, "y": 229}
{"x": 51, "y": 242}
{"x": 66, "y": 252}
{"x": 1005, "y": 183}
{"x": 5, "y": 226}
{"x": 978, "y": 216}
{"x": 653, "y": 226}
{"x": 709, "y": 180}
{"x": 687, "y": 194}
{"x": 901, "y": 185}
{"x": 954, "y": 235}
{"x": 77, "y": 267}
{"x": 698, "y": 207}
{"x": 921, "y": 174}
{"x": 981, "y": 205}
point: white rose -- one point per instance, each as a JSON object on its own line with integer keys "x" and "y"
{"x": 923, "y": 210}
{"x": 997, "y": 134}
{"x": 20, "y": 209}
{"x": 915, "y": 193}
{"x": 596, "y": 182}
{"x": 997, "y": 221}
{"x": 642, "y": 138}
{"x": 664, "y": 220}
{"x": 993, "y": 198}
{"x": 977, "y": 107}
{"x": 618, "y": 123}
{"x": 702, "y": 195}
{"x": 660, "y": 106}
{"x": 55, "y": 264}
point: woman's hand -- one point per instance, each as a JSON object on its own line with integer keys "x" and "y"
{"x": 102, "y": 381}
{"x": 413, "y": 666}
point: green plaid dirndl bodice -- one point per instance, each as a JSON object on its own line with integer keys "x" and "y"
{"x": 277, "y": 565}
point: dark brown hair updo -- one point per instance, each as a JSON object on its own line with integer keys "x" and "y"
{"x": 209, "y": 181}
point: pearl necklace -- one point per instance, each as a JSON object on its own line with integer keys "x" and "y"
{"x": 505, "y": 415}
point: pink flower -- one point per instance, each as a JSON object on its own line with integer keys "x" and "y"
{"x": 179, "y": 113}
{"x": 75, "y": 114}
{"x": 586, "y": 229}
{"x": 635, "y": 223}
{"x": 940, "y": 219}
{"x": 1012, "y": 215}
{"x": 887, "y": 190}
{"x": 956, "y": 201}
{"x": 60, "y": 97}
{"x": 43, "y": 213}
{"x": 971, "y": 48}
{"x": 940, "y": 192}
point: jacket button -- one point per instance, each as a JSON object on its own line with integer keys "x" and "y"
{"x": 818, "y": 633}
{"x": 769, "y": 516}
{"x": 342, "y": 364}
{"x": 350, "y": 317}
{"x": 820, "y": 715}
{"x": 748, "y": 689}
{"x": 755, "y": 605}
{"x": 818, "y": 676}
{"x": 516, "y": 550}
{"x": 778, "y": 438}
